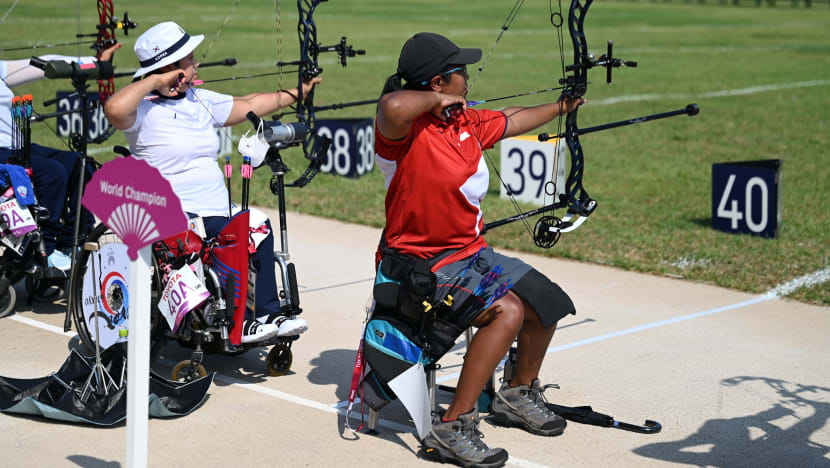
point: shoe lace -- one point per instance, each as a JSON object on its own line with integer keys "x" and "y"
{"x": 469, "y": 433}
{"x": 537, "y": 396}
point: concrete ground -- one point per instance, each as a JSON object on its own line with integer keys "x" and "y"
{"x": 735, "y": 379}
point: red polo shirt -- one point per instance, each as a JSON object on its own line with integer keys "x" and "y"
{"x": 436, "y": 177}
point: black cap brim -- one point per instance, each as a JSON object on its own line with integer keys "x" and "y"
{"x": 466, "y": 56}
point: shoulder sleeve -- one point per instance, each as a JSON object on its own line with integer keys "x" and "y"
{"x": 389, "y": 153}
{"x": 489, "y": 125}
{"x": 140, "y": 115}
{"x": 394, "y": 150}
{"x": 220, "y": 105}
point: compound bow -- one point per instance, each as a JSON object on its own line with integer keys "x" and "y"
{"x": 575, "y": 198}
{"x": 314, "y": 146}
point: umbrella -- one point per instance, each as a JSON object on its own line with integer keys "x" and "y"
{"x": 586, "y": 415}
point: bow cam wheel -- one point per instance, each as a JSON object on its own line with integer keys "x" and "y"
{"x": 279, "y": 360}
{"x": 543, "y": 235}
{"x": 184, "y": 372}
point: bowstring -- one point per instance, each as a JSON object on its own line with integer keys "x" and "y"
{"x": 219, "y": 125}
{"x": 219, "y": 30}
{"x": 511, "y": 16}
{"x": 504, "y": 27}
{"x": 559, "y": 33}
{"x": 3, "y": 19}
{"x": 509, "y": 192}
{"x": 278, "y": 40}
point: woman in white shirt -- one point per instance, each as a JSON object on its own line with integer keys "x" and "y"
{"x": 172, "y": 127}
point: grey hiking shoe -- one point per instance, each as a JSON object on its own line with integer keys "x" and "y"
{"x": 459, "y": 442}
{"x": 524, "y": 406}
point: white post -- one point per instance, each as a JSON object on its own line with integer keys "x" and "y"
{"x": 138, "y": 360}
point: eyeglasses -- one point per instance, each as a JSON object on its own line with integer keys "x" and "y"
{"x": 462, "y": 69}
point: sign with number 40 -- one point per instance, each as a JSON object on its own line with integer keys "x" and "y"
{"x": 746, "y": 197}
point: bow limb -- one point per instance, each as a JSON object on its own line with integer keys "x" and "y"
{"x": 106, "y": 35}
{"x": 315, "y": 147}
{"x": 108, "y": 23}
{"x": 579, "y": 202}
{"x": 575, "y": 198}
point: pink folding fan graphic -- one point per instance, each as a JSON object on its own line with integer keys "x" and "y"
{"x": 136, "y": 202}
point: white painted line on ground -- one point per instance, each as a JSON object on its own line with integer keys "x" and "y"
{"x": 338, "y": 285}
{"x": 782, "y": 289}
{"x": 711, "y": 94}
{"x": 806, "y": 281}
{"x": 42, "y": 326}
{"x": 264, "y": 390}
{"x": 608, "y": 336}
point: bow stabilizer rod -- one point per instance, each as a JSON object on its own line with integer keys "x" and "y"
{"x": 690, "y": 110}
{"x": 228, "y": 62}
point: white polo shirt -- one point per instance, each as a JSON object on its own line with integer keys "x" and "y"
{"x": 178, "y": 138}
{"x": 7, "y": 126}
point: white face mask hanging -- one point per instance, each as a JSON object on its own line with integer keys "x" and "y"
{"x": 253, "y": 146}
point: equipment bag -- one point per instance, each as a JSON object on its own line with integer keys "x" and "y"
{"x": 230, "y": 261}
{"x": 390, "y": 348}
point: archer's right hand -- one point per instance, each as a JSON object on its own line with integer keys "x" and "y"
{"x": 171, "y": 83}
{"x": 456, "y": 104}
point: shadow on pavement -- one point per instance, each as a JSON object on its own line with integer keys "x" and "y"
{"x": 777, "y": 436}
{"x": 334, "y": 367}
{"x": 92, "y": 462}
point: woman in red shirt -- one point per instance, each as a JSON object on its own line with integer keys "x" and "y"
{"x": 429, "y": 146}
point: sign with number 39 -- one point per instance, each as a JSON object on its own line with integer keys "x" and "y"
{"x": 527, "y": 166}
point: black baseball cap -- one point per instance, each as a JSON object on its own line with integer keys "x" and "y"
{"x": 426, "y": 55}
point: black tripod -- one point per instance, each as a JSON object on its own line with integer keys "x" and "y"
{"x": 79, "y": 76}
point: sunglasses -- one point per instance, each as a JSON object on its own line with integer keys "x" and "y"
{"x": 462, "y": 69}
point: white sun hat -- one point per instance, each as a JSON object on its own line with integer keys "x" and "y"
{"x": 163, "y": 44}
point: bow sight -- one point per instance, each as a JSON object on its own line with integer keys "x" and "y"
{"x": 114, "y": 23}
{"x": 343, "y": 52}
{"x": 606, "y": 60}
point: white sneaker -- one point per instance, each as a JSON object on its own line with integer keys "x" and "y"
{"x": 253, "y": 331}
{"x": 289, "y": 326}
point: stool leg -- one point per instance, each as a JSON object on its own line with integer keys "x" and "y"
{"x": 372, "y": 424}
{"x": 433, "y": 403}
